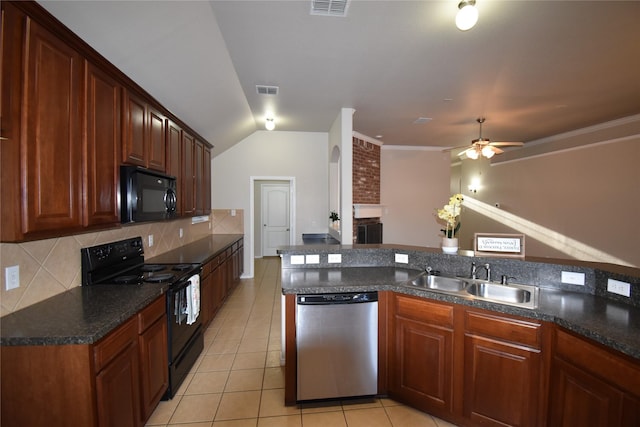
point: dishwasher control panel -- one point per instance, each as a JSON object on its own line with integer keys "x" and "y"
{"x": 341, "y": 298}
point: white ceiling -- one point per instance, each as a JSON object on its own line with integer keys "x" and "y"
{"x": 532, "y": 68}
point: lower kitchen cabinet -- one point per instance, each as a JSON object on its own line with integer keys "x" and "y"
{"x": 503, "y": 369}
{"x": 591, "y": 385}
{"x": 154, "y": 359}
{"x": 114, "y": 382}
{"x": 421, "y": 353}
{"x": 117, "y": 379}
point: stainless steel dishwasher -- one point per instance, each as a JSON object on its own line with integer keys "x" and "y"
{"x": 337, "y": 344}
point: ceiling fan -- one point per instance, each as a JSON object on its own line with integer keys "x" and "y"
{"x": 483, "y": 146}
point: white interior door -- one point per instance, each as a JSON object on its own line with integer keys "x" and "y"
{"x": 275, "y": 218}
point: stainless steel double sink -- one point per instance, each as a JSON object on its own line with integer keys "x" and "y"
{"x": 518, "y": 295}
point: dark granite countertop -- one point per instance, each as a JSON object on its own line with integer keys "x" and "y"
{"x": 85, "y": 314}
{"x": 609, "y": 321}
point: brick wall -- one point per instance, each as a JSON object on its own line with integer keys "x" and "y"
{"x": 366, "y": 178}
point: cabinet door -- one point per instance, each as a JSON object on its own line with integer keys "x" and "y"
{"x": 103, "y": 144}
{"x": 134, "y": 147}
{"x": 580, "y": 399}
{"x": 174, "y": 160}
{"x": 198, "y": 161}
{"x": 206, "y": 299}
{"x": 51, "y": 169}
{"x": 118, "y": 392}
{"x": 156, "y": 140}
{"x": 206, "y": 180}
{"x": 421, "y": 354}
{"x": 154, "y": 363}
{"x": 188, "y": 174}
{"x": 502, "y": 370}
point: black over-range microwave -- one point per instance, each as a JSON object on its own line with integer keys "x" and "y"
{"x": 146, "y": 195}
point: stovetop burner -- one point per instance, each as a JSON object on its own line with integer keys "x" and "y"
{"x": 128, "y": 280}
{"x": 182, "y": 267}
{"x": 159, "y": 278}
{"x": 152, "y": 267}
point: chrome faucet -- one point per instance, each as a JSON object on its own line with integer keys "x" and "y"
{"x": 474, "y": 271}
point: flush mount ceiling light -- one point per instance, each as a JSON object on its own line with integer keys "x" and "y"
{"x": 269, "y": 123}
{"x": 467, "y": 16}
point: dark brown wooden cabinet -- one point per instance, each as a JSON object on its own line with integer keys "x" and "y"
{"x": 103, "y": 144}
{"x": 592, "y": 385}
{"x": 52, "y": 131}
{"x": 175, "y": 161}
{"x": 117, "y": 379}
{"x": 152, "y": 346}
{"x": 144, "y": 136}
{"x": 198, "y": 166}
{"x": 503, "y": 369}
{"x": 421, "y": 353}
{"x": 188, "y": 175}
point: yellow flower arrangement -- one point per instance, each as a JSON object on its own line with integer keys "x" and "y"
{"x": 450, "y": 213}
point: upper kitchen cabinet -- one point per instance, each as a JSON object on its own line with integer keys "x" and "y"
{"x": 174, "y": 160}
{"x": 144, "y": 138}
{"x": 103, "y": 143}
{"x": 42, "y": 156}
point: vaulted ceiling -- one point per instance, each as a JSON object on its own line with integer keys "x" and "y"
{"x": 532, "y": 68}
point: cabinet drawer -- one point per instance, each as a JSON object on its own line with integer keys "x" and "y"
{"x": 422, "y": 310}
{"x": 518, "y": 331}
{"x": 151, "y": 313}
{"x": 114, "y": 343}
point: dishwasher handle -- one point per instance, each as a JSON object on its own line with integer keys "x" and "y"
{"x": 340, "y": 298}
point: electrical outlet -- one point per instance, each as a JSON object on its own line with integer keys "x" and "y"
{"x": 618, "y": 287}
{"x": 181, "y": 233}
{"x": 233, "y": 212}
{"x": 572, "y": 278}
{"x": 334, "y": 258}
{"x": 12, "y": 277}
{"x": 402, "y": 258}
{"x": 297, "y": 259}
{"x": 313, "y": 259}
{"x": 150, "y": 240}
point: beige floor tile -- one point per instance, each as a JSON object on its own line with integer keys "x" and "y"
{"x": 273, "y": 378}
{"x": 196, "y": 408}
{"x": 205, "y": 424}
{"x": 207, "y": 382}
{"x": 216, "y": 362}
{"x": 327, "y": 406}
{"x": 272, "y": 404}
{"x": 285, "y": 421}
{"x": 163, "y": 412}
{"x": 245, "y": 380}
{"x": 371, "y": 417}
{"x": 249, "y": 422}
{"x": 385, "y": 401}
{"x": 442, "y": 423}
{"x": 404, "y": 416}
{"x": 243, "y": 404}
{"x": 250, "y": 345}
{"x": 273, "y": 358}
{"x": 249, "y": 360}
{"x": 230, "y": 332}
{"x": 220, "y": 346}
{"x": 366, "y": 403}
{"x": 185, "y": 384}
{"x": 324, "y": 419}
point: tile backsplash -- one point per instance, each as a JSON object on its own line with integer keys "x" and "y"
{"x": 49, "y": 267}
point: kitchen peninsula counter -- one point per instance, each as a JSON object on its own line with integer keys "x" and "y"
{"x": 85, "y": 314}
{"x": 586, "y": 310}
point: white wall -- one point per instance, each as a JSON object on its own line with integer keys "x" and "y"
{"x": 414, "y": 181}
{"x": 301, "y": 155}
{"x": 340, "y": 135}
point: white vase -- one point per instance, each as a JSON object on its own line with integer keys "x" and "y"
{"x": 450, "y": 245}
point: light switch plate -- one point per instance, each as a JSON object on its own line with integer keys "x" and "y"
{"x": 297, "y": 259}
{"x": 334, "y": 258}
{"x": 402, "y": 258}
{"x": 12, "y": 277}
{"x": 313, "y": 259}
{"x": 572, "y": 278}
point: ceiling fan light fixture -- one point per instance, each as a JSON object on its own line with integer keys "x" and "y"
{"x": 269, "y": 123}
{"x": 467, "y": 15}
{"x": 472, "y": 153}
{"x": 488, "y": 152}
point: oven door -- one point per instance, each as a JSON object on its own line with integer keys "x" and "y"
{"x": 180, "y": 331}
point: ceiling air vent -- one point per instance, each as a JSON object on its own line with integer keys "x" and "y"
{"x": 329, "y": 7}
{"x": 266, "y": 90}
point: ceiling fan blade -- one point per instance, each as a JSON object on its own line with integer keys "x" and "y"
{"x": 506, "y": 144}
{"x": 497, "y": 150}
{"x": 455, "y": 148}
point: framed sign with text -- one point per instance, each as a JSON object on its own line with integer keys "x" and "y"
{"x": 499, "y": 245}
